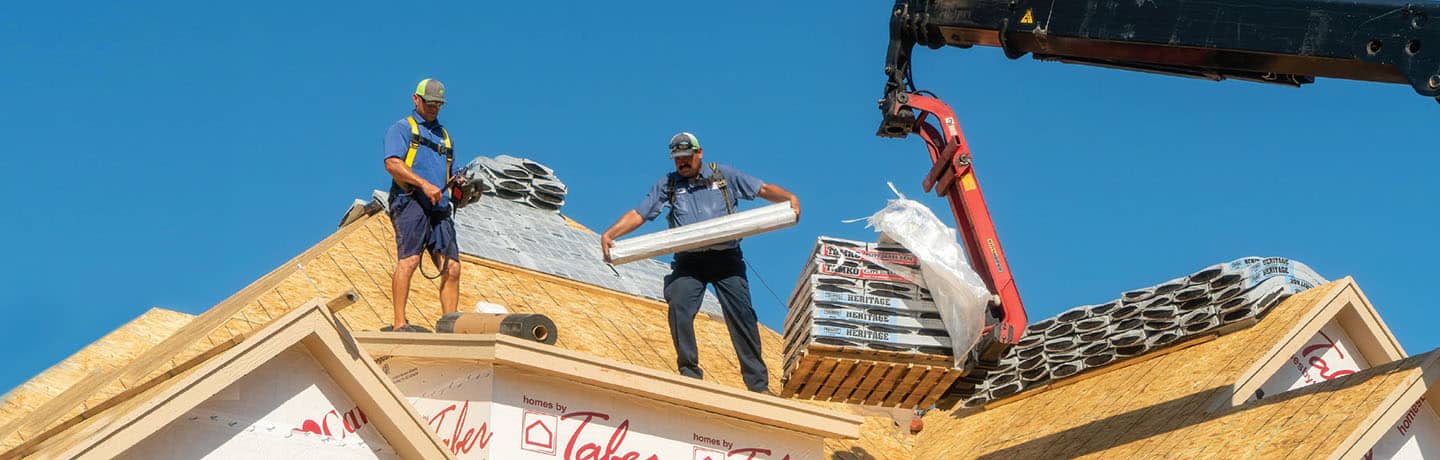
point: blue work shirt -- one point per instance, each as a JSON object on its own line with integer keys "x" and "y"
{"x": 698, "y": 199}
{"x": 429, "y": 164}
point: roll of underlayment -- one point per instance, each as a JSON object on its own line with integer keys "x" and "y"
{"x": 699, "y": 235}
{"x": 533, "y": 327}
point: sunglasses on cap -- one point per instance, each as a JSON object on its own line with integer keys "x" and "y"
{"x": 682, "y": 145}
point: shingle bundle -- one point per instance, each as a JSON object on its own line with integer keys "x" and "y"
{"x": 1218, "y": 298}
{"x": 864, "y": 301}
{"x": 518, "y": 179}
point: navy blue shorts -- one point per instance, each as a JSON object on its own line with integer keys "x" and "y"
{"x": 417, "y": 230}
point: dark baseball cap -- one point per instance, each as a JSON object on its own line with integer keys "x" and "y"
{"x": 684, "y": 144}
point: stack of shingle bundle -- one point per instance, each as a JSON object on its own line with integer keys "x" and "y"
{"x": 862, "y": 328}
{"x": 518, "y": 179}
{"x": 1215, "y": 300}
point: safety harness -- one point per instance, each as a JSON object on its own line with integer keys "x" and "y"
{"x": 416, "y": 141}
{"x": 448, "y": 150}
{"x": 716, "y": 179}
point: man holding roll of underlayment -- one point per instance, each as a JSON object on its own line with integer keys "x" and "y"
{"x": 696, "y": 192}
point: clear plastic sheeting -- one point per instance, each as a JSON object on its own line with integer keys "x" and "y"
{"x": 960, "y": 294}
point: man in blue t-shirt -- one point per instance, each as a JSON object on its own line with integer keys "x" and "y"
{"x": 696, "y": 192}
{"x": 420, "y": 158}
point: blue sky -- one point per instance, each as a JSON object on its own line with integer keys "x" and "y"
{"x": 170, "y": 154}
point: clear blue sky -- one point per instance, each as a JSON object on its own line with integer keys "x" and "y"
{"x": 168, "y": 155}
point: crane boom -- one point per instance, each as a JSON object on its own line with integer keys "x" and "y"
{"x": 1287, "y": 42}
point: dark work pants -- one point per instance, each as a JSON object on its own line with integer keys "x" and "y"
{"x": 685, "y": 290}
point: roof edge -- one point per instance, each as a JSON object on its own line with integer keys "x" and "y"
{"x": 506, "y": 351}
{"x": 1344, "y": 303}
{"x": 311, "y": 326}
{"x": 1392, "y": 409}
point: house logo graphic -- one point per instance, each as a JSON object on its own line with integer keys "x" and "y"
{"x": 538, "y": 432}
{"x": 702, "y": 453}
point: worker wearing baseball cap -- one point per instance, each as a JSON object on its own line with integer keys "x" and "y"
{"x": 419, "y": 156}
{"x": 695, "y": 192}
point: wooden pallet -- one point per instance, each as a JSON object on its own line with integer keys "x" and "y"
{"x": 868, "y": 377}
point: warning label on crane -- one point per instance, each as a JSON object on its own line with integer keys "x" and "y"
{"x": 1029, "y": 17}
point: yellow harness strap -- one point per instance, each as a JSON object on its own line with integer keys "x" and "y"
{"x": 415, "y": 142}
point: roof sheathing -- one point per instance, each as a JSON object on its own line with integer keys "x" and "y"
{"x": 1157, "y": 407}
{"x": 112, "y": 351}
{"x": 361, "y": 257}
{"x": 310, "y": 326}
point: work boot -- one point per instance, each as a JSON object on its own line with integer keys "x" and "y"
{"x": 405, "y": 328}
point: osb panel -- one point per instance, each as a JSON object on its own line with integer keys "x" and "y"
{"x": 1306, "y": 424}
{"x": 197, "y": 337}
{"x": 590, "y": 319}
{"x": 113, "y": 350}
{"x": 880, "y": 438}
{"x": 1127, "y": 411}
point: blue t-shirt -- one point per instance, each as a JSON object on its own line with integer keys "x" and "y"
{"x": 698, "y": 199}
{"x": 429, "y": 164}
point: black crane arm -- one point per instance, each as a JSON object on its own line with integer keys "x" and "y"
{"x": 1286, "y": 42}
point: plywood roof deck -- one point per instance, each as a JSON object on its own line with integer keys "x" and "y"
{"x": 1176, "y": 405}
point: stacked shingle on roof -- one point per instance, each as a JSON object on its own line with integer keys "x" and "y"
{"x": 1225, "y": 295}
